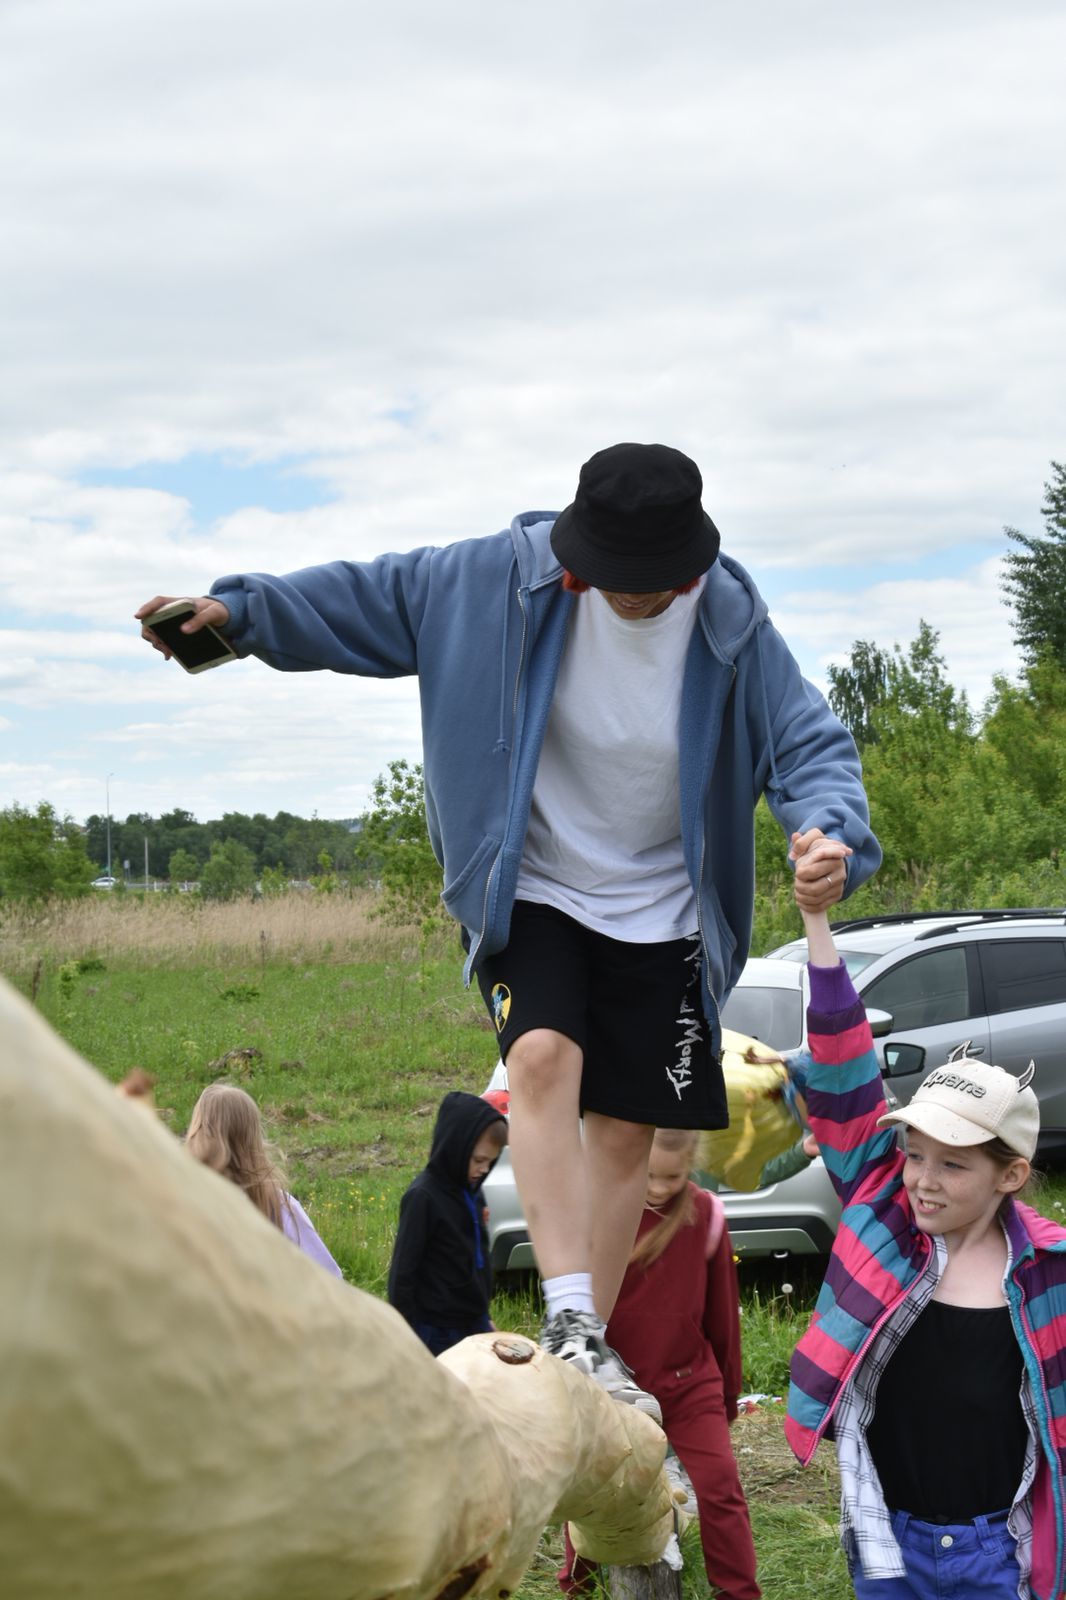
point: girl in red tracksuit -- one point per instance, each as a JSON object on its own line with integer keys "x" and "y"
{"x": 677, "y": 1324}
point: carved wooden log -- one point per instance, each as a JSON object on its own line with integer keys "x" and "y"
{"x": 659, "y": 1582}
{"x": 191, "y": 1409}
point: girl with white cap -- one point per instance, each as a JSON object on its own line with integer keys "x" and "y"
{"x": 936, "y": 1355}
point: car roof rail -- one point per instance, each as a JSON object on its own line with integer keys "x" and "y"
{"x": 951, "y": 921}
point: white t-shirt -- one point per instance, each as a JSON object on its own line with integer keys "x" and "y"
{"x": 604, "y": 839}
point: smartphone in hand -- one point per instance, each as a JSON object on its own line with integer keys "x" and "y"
{"x": 197, "y": 652}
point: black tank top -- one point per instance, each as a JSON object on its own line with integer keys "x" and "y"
{"x": 949, "y": 1435}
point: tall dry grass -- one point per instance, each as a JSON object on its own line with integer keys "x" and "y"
{"x": 184, "y": 931}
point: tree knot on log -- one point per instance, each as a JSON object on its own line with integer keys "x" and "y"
{"x": 514, "y": 1351}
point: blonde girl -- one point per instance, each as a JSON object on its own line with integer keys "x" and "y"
{"x": 677, "y": 1324}
{"x": 226, "y": 1134}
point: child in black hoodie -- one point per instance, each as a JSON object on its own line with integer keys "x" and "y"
{"x": 440, "y": 1278}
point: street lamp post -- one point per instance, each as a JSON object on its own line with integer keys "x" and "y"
{"x": 107, "y": 791}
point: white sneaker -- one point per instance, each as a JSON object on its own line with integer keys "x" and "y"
{"x": 575, "y": 1336}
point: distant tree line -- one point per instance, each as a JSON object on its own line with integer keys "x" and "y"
{"x": 43, "y": 854}
{"x": 287, "y": 843}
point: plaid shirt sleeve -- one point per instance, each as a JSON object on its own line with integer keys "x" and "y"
{"x": 865, "y": 1521}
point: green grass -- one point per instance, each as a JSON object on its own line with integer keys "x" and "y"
{"x": 348, "y": 1046}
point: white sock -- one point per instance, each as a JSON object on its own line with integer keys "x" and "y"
{"x": 570, "y": 1292}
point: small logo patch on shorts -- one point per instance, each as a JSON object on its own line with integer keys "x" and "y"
{"x": 501, "y": 1005}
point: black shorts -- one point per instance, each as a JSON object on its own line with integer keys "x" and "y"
{"x": 634, "y": 1010}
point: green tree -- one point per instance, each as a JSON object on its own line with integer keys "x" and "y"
{"x": 183, "y": 867}
{"x": 1023, "y": 765}
{"x": 394, "y": 845}
{"x": 325, "y": 880}
{"x": 41, "y": 855}
{"x": 229, "y": 871}
{"x": 857, "y": 690}
{"x": 1035, "y": 577}
{"x": 299, "y": 848}
{"x": 273, "y": 881}
{"x": 913, "y": 771}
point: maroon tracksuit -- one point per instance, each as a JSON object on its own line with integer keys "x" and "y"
{"x": 677, "y": 1324}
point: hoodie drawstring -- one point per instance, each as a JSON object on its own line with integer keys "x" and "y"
{"x": 775, "y": 777}
{"x": 500, "y": 747}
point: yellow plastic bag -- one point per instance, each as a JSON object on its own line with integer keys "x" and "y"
{"x": 762, "y": 1122}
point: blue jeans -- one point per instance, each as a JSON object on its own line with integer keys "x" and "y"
{"x": 963, "y": 1561}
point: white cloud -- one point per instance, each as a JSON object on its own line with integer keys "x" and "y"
{"x": 966, "y": 611}
{"x": 439, "y": 256}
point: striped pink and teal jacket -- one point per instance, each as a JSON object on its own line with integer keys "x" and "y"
{"x": 879, "y": 1254}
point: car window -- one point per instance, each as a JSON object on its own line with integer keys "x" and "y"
{"x": 773, "y": 1016}
{"x": 1020, "y": 973}
{"x": 856, "y": 960}
{"x": 925, "y": 990}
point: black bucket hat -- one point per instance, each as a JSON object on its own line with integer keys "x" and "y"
{"x": 636, "y": 524}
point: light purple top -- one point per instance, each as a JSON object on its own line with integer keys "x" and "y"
{"x": 301, "y": 1230}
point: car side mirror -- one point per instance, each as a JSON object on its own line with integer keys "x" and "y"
{"x": 880, "y": 1022}
{"x": 901, "y": 1058}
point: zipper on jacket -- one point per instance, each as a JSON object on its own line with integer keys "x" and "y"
{"x": 699, "y": 880}
{"x": 468, "y": 966}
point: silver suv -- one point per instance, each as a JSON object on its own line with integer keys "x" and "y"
{"x": 997, "y": 978}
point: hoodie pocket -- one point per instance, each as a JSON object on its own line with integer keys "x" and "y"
{"x": 721, "y": 946}
{"x": 464, "y": 895}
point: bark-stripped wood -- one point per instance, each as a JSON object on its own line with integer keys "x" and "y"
{"x": 190, "y": 1409}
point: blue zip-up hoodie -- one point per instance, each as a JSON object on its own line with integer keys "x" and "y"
{"x": 483, "y": 623}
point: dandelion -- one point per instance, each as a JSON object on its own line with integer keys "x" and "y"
{"x": 786, "y": 1288}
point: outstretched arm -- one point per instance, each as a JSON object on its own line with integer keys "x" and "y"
{"x": 345, "y": 616}
{"x": 812, "y": 775}
{"x": 844, "y": 1093}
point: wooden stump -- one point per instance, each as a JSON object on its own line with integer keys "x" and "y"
{"x": 659, "y": 1582}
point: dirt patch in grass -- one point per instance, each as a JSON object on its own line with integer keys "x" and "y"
{"x": 372, "y": 1157}
{"x": 768, "y": 1467}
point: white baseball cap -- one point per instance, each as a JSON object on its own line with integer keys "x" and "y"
{"x": 968, "y": 1102}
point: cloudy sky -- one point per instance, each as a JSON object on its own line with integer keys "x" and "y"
{"x": 281, "y": 283}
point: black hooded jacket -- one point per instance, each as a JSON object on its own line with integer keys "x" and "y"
{"x": 440, "y": 1271}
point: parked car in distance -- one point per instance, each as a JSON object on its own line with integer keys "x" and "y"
{"x": 105, "y": 881}
{"x": 930, "y": 982}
